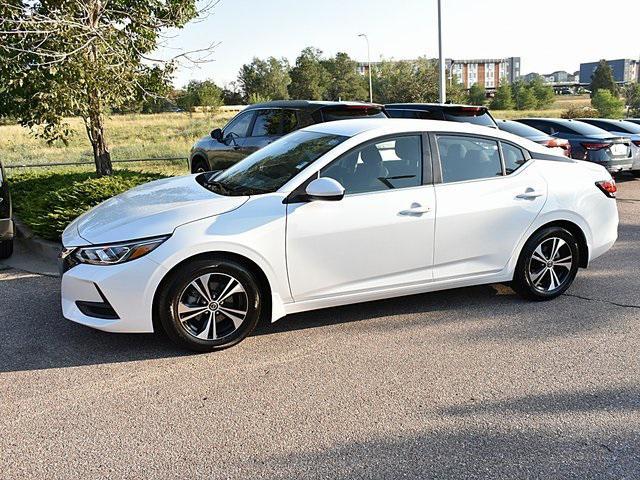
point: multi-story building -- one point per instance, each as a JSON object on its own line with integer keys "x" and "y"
{"x": 625, "y": 70}
{"x": 487, "y": 72}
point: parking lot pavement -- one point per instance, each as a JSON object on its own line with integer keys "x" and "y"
{"x": 470, "y": 383}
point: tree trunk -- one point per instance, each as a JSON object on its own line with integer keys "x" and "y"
{"x": 95, "y": 130}
{"x": 94, "y": 122}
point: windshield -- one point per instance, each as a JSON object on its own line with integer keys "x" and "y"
{"x": 268, "y": 169}
{"x": 582, "y": 128}
{"x": 520, "y": 129}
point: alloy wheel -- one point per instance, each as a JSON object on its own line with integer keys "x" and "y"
{"x": 550, "y": 265}
{"x": 213, "y": 306}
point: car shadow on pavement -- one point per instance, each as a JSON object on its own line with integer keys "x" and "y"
{"x": 34, "y": 335}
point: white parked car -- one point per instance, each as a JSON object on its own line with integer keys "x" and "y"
{"x": 336, "y": 213}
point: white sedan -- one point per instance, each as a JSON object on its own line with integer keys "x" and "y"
{"x": 336, "y": 213}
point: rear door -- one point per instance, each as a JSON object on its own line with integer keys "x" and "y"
{"x": 487, "y": 199}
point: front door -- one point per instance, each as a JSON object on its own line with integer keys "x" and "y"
{"x": 379, "y": 236}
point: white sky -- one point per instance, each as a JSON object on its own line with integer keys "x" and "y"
{"x": 549, "y": 35}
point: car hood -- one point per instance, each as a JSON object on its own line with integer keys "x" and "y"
{"x": 156, "y": 208}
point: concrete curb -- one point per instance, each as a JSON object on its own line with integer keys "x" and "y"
{"x": 32, "y": 254}
{"x": 38, "y": 246}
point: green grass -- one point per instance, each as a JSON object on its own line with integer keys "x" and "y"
{"x": 128, "y": 136}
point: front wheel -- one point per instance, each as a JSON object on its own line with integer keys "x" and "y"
{"x": 209, "y": 305}
{"x": 199, "y": 166}
{"x": 548, "y": 264}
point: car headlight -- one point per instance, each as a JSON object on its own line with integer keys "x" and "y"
{"x": 117, "y": 252}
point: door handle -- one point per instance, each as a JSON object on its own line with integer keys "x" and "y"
{"x": 529, "y": 194}
{"x": 415, "y": 210}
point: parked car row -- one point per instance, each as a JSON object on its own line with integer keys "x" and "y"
{"x": 614, "y": 144}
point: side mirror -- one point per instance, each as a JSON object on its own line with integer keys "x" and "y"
{"x": 326, "y": 189}
{"x": 217, "y": 135}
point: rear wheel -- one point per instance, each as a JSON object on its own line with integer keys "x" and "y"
{"x": 199, "y": 165}
{"x": 6, "y": 248}
{"x": 209, "y": 305}
{"x": 547, "y": 265}
{"x": 636, "y": 173}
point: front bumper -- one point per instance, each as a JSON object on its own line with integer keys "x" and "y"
{"x": 6, "y": 229}
{"x": 128, "y": 289}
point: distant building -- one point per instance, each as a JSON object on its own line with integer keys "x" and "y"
{"x": 487, "y": 72}
{"x": 553, "y": 78}
{"x": 625, "y": 70}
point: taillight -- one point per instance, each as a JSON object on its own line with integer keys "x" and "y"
{"x": 608, "y": 187}
{"x": 560, "y": 143}
{"x": 595, "y": 146}
{"x": 636, "y": 143}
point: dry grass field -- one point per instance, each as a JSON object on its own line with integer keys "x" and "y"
{"x": 129, "y": 136}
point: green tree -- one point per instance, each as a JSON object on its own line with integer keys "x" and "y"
{"x": 413, "y": 81}
{"x": 607, "y": 104}
{"x": 523, "y": 95}
{"x": 309, "y": 77}
{"x": 267, "y": 79}
{"x": 200, "y": 94}
{"x": 79, "y": 57}
{"x": 542, "y": 92}
{"x": 345, "y": 81}
{"x": 477, "y": 94}
{"x": 503, "y": 99}
{"x": 632, "y": 98}
{"x": 602, "y": 79}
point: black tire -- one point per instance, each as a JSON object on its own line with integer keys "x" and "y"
{"x": 199, "y": 165}
{"x": 221, "y": 331}
{"x": 635, "y": 173}
{"x": 6, "y": 248}
{"x": 545, "y": 280}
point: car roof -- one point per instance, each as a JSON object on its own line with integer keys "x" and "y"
{"x": 444, "y": 106}
{"x": 352, "y": 127}
{"x": 308, "y": 104}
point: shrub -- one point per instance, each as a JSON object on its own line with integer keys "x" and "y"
{"x": 48, "y": 202}
{"x": 579, "y": 111}
{"x": 607, "y": 104}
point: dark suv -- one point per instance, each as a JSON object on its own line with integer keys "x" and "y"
{"x": 439, "y": 111}
{"x": 6, "y": 222}
{"x": 259, "y": 125}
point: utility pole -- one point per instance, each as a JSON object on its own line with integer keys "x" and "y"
{"x": 369, "y": 62}
{"x": 443, "y": 84}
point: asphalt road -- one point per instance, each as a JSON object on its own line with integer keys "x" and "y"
{"x": 470, "y": 383}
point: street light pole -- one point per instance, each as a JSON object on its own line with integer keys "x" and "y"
{"x": 369, "y": 62}
{"x": 443, "y": 85}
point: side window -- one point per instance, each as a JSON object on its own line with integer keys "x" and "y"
{"x": 468, "y": 158}
{"x": 267, "y": 123}
{"x": 385, "y": 165}
{"x": 289, "y": 121}
{"x": 513, "y": 157}
{"x": 239, "y": 125}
